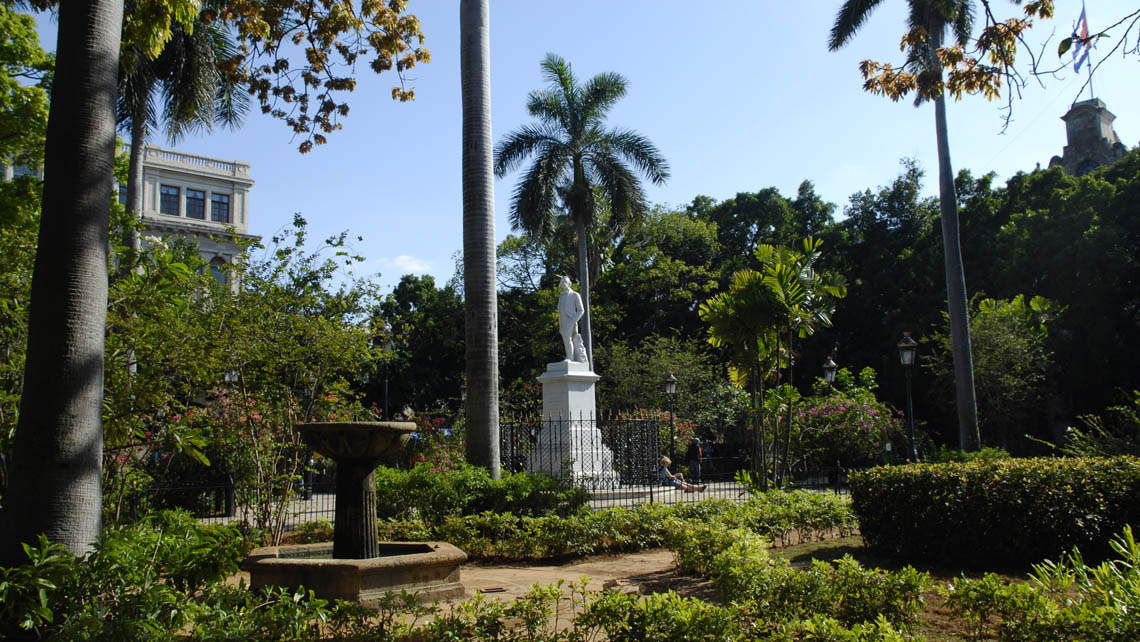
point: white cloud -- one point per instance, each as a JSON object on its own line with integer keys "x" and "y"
{"x": 405, "y": 264}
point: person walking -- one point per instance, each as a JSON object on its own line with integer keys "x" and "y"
{"x": 694, "y": 455}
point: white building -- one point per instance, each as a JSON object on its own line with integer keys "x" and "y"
{"x": 197, "y": 198}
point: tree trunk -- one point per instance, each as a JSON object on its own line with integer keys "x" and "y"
{"x": 55, "y": 485}
{"x": 791, "y": 409}
{"x": 480, "y": 295}
{"x": 584, "y": 286}
{"x": 968, "y": 436}
{"x": 134, "y": 203}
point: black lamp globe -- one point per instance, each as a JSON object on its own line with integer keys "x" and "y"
{"x": 829, "y": 369}
{"x": 907, "y": 348}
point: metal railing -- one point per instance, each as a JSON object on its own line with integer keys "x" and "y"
{"x": 616, "y": 460}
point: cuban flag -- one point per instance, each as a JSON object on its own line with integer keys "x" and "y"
{"x": 1081, "y": 42}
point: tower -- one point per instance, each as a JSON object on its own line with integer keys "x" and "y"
{"x": 1092, "y": 140}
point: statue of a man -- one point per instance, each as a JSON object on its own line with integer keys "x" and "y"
{"x": 569, "y": 311}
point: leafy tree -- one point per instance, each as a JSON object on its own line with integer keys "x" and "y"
{"x": 328, "y": 39}
{"x": 1074, "y": 241}
{"x": 23, "y": 121}
{"x": 481, "y": 296}
{"x": 634, "y": 373}
{"x": 660, "y": 270}
{"x": 522, "y": 264}
{"x": 427, "y": 331}
{"x": 56, "y": 472}
{"x": 19, "y": 210}
{"x": 743, "y": 222}
{"x": 574, "y": 157}
{"x": 212, "y": 381}
{"x": 1012, "y": 363}
{"x": 887, "y": 249}
{"x": 23, "y": 107}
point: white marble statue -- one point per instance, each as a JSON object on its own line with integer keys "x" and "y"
{"x": 569, "y": 311}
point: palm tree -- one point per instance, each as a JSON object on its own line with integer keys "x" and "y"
{"x": 806, "y": 299}
{"x": 787, "y": 295}
{"x": 575, "y": 158}
{"x": 479, "y": 282}
{"x": 743, "y": 321}
{"x": 55, "y": 485}
{"x": 195, "y": 94}
{"x": 933, "y": 18}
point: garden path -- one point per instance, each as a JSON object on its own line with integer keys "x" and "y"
{"x": 651, "y": 571}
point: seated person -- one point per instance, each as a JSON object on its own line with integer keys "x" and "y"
{"x": 676, "y": 480}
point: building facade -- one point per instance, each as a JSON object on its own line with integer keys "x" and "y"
{"x": 197, "y": 198}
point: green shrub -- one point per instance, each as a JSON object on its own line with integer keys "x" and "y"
{"x": 825, "y": 629}
{"x": 140, "y": 581}
{"x": 740, "y": 567}
{"x": 318, "y": 530}
{"x": 945, "y": 455}
{"x": 490, "y": 535}
{"x": 663, "y": 617}
{"x": 434, "y": 494}
{"x": 1063, "y": 601}
{"x": 997, "y": 513}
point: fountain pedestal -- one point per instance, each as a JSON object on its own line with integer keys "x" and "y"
{"x": 357, "y": 566}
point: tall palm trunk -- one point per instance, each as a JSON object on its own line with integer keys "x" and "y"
{"x": 55, "y": 485}
{"x": 968, "y": 436}
{"x": 584, "y": 286}
{"x": 134, "y": 188}
{"x": 481, "y": 298}
{"x": 790, "y": 411}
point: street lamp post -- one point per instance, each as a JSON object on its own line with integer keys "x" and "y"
{"x": 671, "y": 392}
{"x": 387, "y": 365}
{"x": 907, "y": 349}
{"x": 829, "y": 369}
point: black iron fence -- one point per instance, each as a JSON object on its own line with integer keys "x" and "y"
{"x": 616, "y": 460}
{"x": 600, "y": 454}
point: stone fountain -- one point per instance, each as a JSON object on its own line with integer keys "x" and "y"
{"x": 357, "y": 566}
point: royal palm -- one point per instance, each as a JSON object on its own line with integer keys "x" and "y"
{"x": 576, "y": 158}
{"x": 930, "y": 19}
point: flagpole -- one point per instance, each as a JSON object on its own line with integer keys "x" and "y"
{"x": 1092, "y": 94}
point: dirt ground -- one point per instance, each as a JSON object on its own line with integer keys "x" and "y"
{"x": 651, "y": 571}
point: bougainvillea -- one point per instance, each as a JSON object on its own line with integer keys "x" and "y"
{"x": 848, "y": 424}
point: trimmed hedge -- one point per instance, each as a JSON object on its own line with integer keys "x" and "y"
{"x": 434, "y": 495}
{"x": 997, "y": 513}
{"x": 506, "y": 536}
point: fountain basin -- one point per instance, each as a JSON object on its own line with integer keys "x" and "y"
{"x": 430, "y": 570}
{"x": 356, "y": 440}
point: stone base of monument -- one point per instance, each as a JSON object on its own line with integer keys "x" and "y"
{"x": 570, "y": 443}
{"x": 430, "y": 570}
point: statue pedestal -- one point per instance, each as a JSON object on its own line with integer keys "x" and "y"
{"x": 570, "y": 442}
{"x": 568, "y": 391}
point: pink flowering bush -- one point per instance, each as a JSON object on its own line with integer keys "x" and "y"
{"x": 438, "y": 443}
{"x": 849, "y": 424}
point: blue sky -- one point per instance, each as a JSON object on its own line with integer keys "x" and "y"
{"x": 739, "y": 95}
